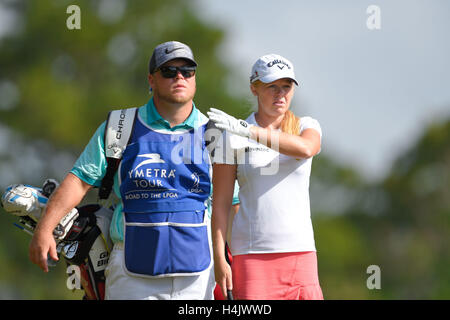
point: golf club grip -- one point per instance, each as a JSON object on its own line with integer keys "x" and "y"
{"x": 230, "y": 295}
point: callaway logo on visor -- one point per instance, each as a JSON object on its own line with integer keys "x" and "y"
{"x": 276, "y": 62}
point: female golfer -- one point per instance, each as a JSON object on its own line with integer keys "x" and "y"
{"x": 270, "y": 154}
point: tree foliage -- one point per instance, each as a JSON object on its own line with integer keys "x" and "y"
{"x": 67, "y": 80}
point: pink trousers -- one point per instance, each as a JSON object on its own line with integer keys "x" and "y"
{"x": 276, "y": 276}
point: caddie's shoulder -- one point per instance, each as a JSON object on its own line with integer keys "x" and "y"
{"x": 124, "y": 110}
{"x": 100, "y": 132}
{"x": 201, "y": 118}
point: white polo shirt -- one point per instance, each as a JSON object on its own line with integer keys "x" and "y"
{"x": 274, "y": 214}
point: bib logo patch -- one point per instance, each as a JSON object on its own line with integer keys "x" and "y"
{"x": 152, "y": 158}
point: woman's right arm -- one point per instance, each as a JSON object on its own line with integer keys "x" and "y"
{"x": 224, "y": 176}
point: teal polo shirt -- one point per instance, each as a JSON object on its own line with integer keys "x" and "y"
{"x": 91, "y": 164}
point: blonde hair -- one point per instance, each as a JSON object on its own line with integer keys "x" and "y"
{"x": 290, "y": 123}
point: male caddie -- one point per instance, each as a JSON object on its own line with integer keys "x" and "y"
{"x": 160, "y": 228}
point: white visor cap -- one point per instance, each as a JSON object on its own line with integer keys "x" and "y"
{"x": 272, "y": 67}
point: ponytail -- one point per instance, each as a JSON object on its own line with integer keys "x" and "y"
{"x": 290, "y": 123}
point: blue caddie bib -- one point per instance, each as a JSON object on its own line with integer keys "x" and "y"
{"x": 164, "y": 185}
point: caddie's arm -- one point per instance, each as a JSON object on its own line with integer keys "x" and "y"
{"x": 67, "y": 196}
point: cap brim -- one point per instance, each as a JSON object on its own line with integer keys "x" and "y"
{"x": 170, "y": 59}
{"x": 274, "y": 77}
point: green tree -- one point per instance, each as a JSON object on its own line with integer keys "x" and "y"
{"x": 69, "y": 79}
{"x": 57, "y": 86}
{"x": 60, "y": 84}
{"x": 400, "y": 224}
{"x": 409, "y": 226}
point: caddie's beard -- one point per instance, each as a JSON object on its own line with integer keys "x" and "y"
{"x": 174, "y": 98}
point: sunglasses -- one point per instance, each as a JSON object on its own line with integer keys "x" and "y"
{"x": 171, "y": 72}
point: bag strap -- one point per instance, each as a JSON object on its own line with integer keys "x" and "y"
{"x": 118, "y": 129}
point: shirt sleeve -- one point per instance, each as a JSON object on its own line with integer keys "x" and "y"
{"x": 91, "y": 164}
{"x": 310, "y": 123}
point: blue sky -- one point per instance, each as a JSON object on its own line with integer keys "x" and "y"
{"x": 373, "y": 91}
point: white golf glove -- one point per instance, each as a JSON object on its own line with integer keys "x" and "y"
{"x": 231, "y": 124}
{"x": 24, "y": 200}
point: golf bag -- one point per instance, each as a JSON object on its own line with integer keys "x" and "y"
{"x": 81, "y": 236}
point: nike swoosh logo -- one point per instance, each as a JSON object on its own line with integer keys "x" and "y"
{"x": 167, "y": 50}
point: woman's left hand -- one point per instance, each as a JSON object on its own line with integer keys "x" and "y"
{"x": 222, "y": 272}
